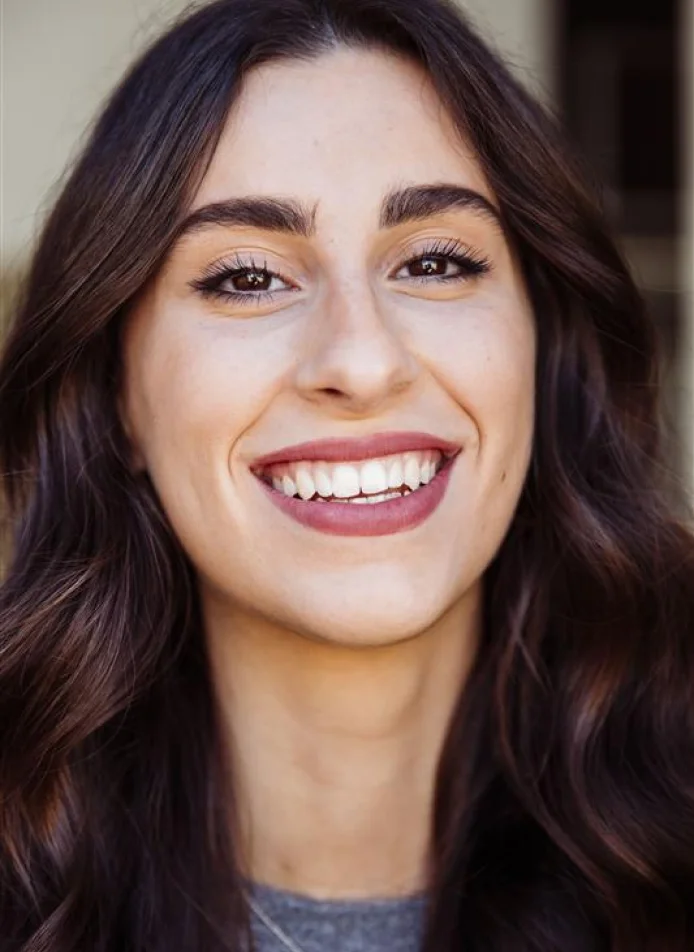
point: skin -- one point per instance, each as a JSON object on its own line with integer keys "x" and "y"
{"x": 337, "y": 661}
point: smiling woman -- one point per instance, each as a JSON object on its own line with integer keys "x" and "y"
{"x": 346, "y": 606}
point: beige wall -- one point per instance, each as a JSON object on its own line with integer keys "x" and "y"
{"x": 523, "y": 31}
{"x": 61, "y": 57}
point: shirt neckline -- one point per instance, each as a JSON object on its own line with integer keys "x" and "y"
{"x": 287, "y": 898}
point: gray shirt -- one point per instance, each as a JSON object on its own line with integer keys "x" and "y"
{"x": 337, "y": 925}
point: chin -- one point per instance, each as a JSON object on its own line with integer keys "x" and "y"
{"x": 369, "y": 622}
{"x": 368, "y": 634}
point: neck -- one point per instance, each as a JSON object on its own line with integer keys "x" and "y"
{"x": 335, "y": 749}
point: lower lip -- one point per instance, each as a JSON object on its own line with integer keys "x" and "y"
{"x": 367, "y": 519}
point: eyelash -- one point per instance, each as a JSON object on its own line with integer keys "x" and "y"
{"x": 471, "y": 264}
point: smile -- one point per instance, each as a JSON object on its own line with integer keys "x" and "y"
{"x": 344, "y": 488}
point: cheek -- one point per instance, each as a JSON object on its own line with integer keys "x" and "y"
{"x": 483, "y": 358}
{"x": 483, "y": 355}
{"x": 195, "y": 386}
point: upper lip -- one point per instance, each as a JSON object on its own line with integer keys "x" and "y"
{"x": 352, "y": 450}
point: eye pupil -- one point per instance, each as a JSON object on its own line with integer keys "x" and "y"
{"x": 252, "y": 281}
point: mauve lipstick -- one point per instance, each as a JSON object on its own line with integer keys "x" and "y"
{"x": 371, "y": 519}
{"x": 365, "y": 447}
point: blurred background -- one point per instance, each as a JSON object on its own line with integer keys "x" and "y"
{"x": 618, "y": 72}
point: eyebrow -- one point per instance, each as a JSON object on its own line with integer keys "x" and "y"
{"x": 400, "y": 206}
{"x": 418, "y": 202}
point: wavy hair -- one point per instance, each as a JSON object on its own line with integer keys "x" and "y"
{"x": 564, "y": 807}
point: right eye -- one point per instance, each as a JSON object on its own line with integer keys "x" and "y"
{"x": 247, "y": 282}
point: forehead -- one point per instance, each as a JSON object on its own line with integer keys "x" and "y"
{"x": 348, "y": 125}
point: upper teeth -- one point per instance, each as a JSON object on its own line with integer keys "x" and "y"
{"x": 345, "y": 480}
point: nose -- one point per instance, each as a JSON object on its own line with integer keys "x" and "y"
{"x": 356, "y": 358}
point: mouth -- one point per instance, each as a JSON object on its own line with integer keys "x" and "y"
{"x": 343, "y": 487}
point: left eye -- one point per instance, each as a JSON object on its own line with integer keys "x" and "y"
{"x": 444, "y": 261}
{"x": 431, "y": 266}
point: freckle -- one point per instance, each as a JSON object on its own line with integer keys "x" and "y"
{"x": 503, "y": 476}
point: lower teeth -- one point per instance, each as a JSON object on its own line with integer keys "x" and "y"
{"x": 362, "y": 500}
{"x": 370, "y": 500}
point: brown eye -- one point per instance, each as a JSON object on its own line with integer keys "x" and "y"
{"x": 242, "y": 282}
{"x": 430, "y": 266}
{"x": 446, "y": 261}
{"x": 251, "y": 280}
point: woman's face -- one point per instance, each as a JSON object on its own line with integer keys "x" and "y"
{"x": 379, "y": 300}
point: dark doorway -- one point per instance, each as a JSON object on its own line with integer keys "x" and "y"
{"x": 618, "y": 90}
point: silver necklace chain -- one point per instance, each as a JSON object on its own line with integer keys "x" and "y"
{"x": 272, "y": 926}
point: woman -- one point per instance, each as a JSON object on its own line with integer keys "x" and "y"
{"x": 346, "y": 607}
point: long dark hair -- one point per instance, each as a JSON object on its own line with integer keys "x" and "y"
{"x": 564, "y": 811}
